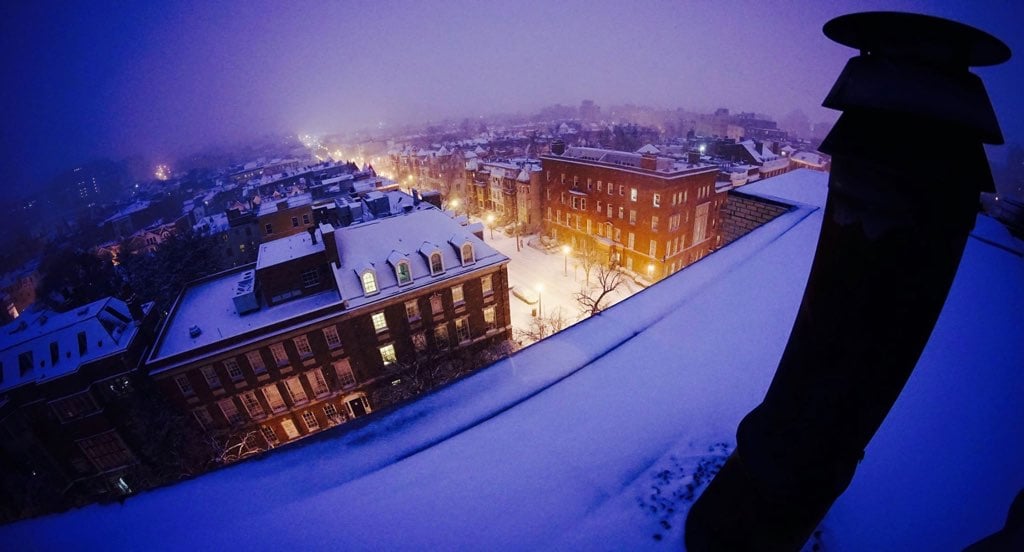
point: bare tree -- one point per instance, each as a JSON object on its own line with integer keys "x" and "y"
{"x": 543, "y": 326}
{"x": 593, "y": 299}
{"x": 589, "y": 258}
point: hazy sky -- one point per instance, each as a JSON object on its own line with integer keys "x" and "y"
{"x": 87, "y": 79}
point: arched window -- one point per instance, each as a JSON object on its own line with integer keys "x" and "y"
{"x": 436, "y": 266}
{"x": 403, "y": 272}
{"x": 467, "y": 253}
{"x": 369, "y": 282}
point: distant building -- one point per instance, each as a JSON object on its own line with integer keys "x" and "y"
{"x": 18, "y": 291}
{"x": 494, "y": 187}
{"x": 646, "y": 213}
{"x": 301, "y": 340}
{"x": 63, "y": 381}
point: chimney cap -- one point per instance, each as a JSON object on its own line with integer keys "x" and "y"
{"x": 920, "y": 37}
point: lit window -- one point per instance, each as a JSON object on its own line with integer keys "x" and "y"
{"x": 380, "y": 322}
{"x": 436, "y": 265}
{"x": 269, "y": 435}
{"x": 310, "y": 277}
{"x": 332, "y": 338}
{"x": 653, "y": 249}
{"x": 305, "y": 219}
{"x": 457, "y": 296}
{"x": 412, "y": 310}
{"x": 387, "y": 354}
{"x": 184, "y": 385}
{"x": 230, "y": 411}
{"x": 234, "y": 371}
{"x": 622, "y": 190}
{"x": 403, "y": 272}
{"x": 289, "y": 428}
{"x": 280, "y": 356}
{"x": 369, "y": 282}
{"x": 486, "y": 284}
{"x": 633, "y": 194}
{"x": 632, "y": 216}
{"x": 310, "y": 420}
{"x": 419, "y": 341}
{"x": 331, "y": 412}
{"x": 467, "y": 254}
{"x": 252, "y": 404}
{"x": 256, "y": 362}
{"x": 622, "y": 212}
{"x": 654, "y": 224}
{"x": 295, "y": 390}
{"x": 273, "y": 396}
{"x": 490, "y": 320}
{"x": 317, "y": 382}
{"x": 462, "y": 329}
{"x": 436, "y": 308}
{"x": 211, "y": 377}
{"x": 343, "y": 370}
{"x": 302, "y": 346}
{"x": 657, "y": 200}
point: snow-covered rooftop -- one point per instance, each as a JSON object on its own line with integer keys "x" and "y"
{"x": 290, "y": 247}
{"x": 624, "y": 160}
{"x": 298, "y": 200}
{"x": 105, "y": 325}
{"x": 585, "y": 440}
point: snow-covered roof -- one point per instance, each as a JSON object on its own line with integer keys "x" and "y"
{"x": 421, "y": 231}
{"x": 608, "y": 420}
{"x": 288, "y": 248}
{"x": 105, "y": 325}
{"x": 649, "y": 148}
{"x": 623, "y": 160}
{"x": 134, "y": 207}
{"x": 270, "y": 206}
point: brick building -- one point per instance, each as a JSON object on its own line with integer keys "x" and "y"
{"x": 301, "y": 340}
{"x": 64, "y": 381}
{"x": 649, "y": 214}
{"x": 510, "y": 190}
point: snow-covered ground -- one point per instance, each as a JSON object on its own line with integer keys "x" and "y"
{"x": 532, "y": 268}
{"x": 601, "y": 437}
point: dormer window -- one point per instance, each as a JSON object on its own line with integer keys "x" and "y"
{"x": 467, "y": 254}
{"x": 404, "y": 273}
{"x": 436, "y": 265}
{"x": 369, "y": 281}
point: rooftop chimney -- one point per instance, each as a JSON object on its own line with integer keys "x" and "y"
{"x": 558, "y": 147}
{"x": 895, "y": 224}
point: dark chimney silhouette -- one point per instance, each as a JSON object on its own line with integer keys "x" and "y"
{"x": 895, "y": 225}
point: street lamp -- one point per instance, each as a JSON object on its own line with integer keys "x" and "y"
{"x": 490, "y": 222}
{"x": 565, "y": 251}
{"x": 540, "y": 300}
{"x": 650, "y": 271}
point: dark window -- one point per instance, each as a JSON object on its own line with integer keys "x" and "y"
{"x": 269, "y": 229}
{"x": 295, "y": 221}
{"x": 54, "y": 353}
{"x": 83, "y": 345}
{"x": 25, "y": 362}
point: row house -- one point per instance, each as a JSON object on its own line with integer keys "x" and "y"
{"x": 64, "y": 382}
{"x": 649, "y": 214}
{"x": 301, "y": 340}
{"x": 509, "y": 190}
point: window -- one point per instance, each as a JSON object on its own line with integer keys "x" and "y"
{"x": 490, "y": 321}
{"x": 212, "y": 379}
{"x": 387, "y": 354}
{"x": 280, "y": 356}
{"x": 317, "y": 382}
{"x": 252, "y": 404}
{"x": 403, "y": 273}
{"x": 331, "y": 412}
{"x": 310, "y": 421}
{"x": 331, "y": 336}
{"x": 302, "y": 346}
{"x": 622, "y": 190}
{"x": 632, "y": 216}
{"x": 419, "y": 341}
{"x": 598, "y": 185}
{"x": 184, "y": 385}
{"x": 25, "y": 363}
{"x": 305, "y": 218}
{"x": 202, "y": 415}
{"x": 654, "y": 224}
{"x": 590, "y": 186}
{"x": 412, "y": 310}
{"x": 54, "y": 354}
{"x": 657, "y": 200}
{"x": 609, "y": 210}
{"x": 599, "y": 206}
{"x": 343, "y": 370}
{"x": 380, "y": 322}
{"x": 700, "y": 223}
{"x": 436, "y": 308}
{"x": 457, "y": 296}
{"x": 256, "y": 362}
{"x": 273, "y": 396}
{"x": 441, "y": 337}
{"x": 310, "y": 277}
{"x": 633, "y": 195}
{"x": 369, "y": 280}
{"x": 106, "y": 451}
{"x": 653, "y": 251}
{"x": 295, "y": 222}
{"x": 295, "y": 390}
{"x": 631, "y": 240}
{"x": 269, "y": 435}
{"x": 486, "y": 284}
{"x": 268, "y": 229}
{"x": 562, "y": 198}
{"x": 611, "y": 188}
{"x": 462, "y": 329}
{"x": 75, "y": 406}
{"x": 436, "y": 265}
{"x": 467, "y": 254}
{"x": 234, "y": 371}
{"x": 230, "y": 411}
{"x": 83, "y": 345}
{"x": 289, "y": 428}
{"x": 558, "y": 216}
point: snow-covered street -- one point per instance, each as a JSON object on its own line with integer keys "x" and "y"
{"x": 544, "y": 275}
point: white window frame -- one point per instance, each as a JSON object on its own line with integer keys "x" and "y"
{"x": 296, "y": 392}
{"x": 487, "y": 284}
{"x": 230, "y": 411}
{"x": 331, "y": 337}
{"x": 280, "y": 354}
{"x": 368, "y": 279}
{"x": 233, "y": 369}
{"x": 388, "y": 355}
{"x": 408, "y": 272}
{"x": 412, "y": 310}
{"x": 317, "y": 382}
{"x": 379, "y": 321}
{"x": 272, "y": 393}
{"x": 458, "y": 295}
{"x": 343, "y": 371}
{"x": 256, "y": 362}
{"x": 211, "y": 377}
{"x": 252, "y": 404}
{"x": 302, "y": 346}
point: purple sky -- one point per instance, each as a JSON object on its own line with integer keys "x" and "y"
{"x": 84, "y": 79}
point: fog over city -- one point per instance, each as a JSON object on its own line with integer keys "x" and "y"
{"x": 88, "y": 80}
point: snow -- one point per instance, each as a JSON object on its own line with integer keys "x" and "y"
{"x": 587, "y": 439}
{"x": 285, "y": 249}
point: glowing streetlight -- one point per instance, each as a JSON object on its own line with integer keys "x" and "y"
{"x": 565, "y": 251}
{"x": 490, "y": 222}
{"x": 650, "y": 271}
{"x": 454, "y": 204}
{"x": 540, "y": 300}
